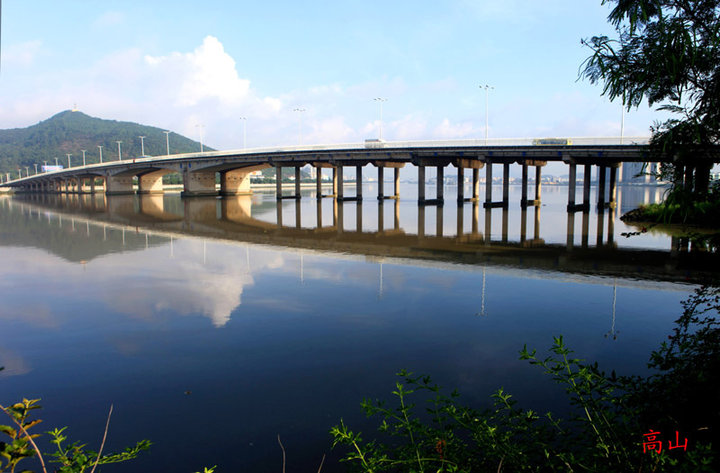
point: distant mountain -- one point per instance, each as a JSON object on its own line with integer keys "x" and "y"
{"x": 72, "y": 131}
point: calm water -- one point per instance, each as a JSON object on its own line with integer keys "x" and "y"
{"x": 212, "y": 330}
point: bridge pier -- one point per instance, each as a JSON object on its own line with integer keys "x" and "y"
{"x": 475, "y": 165}
{"x": 278, "y": 184}
{"x": 572, "y": 185}
{"x": 198, "y": 183}
{"x": 488, "y": 204}
{"x": 524, "y": 201}
{"x": 150, "y": 183}
{"x": 381, "y": 180}
{"x": 119, "y": 185}
{"x": 439, "y": 187}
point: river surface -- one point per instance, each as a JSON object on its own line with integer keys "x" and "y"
{"x": 212, "y": 330}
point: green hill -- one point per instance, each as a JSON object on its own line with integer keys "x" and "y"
{"x": 71, "y": 132}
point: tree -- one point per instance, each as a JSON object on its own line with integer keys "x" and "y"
{"x": 668, "y": 53}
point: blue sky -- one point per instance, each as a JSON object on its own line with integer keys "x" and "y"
{"x": 180, "y": 64}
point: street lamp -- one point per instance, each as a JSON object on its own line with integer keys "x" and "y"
{"x": 142, "y": 146}
{"x": 167, "y": 141}
{"x": 35, "y": 168}
{"x": 56, "y": 162}
{"x": 244, "y": 120}
{"x": 201, "y": 127}
{"x": 300, "y": 112}
{"x": 27, "y": 171}
{"x": 119, "y": 150}
{"x": 100, "y": 148}
{"x": 83, "y": 152}
{"x": 487, "y": 88}
{"x": 69, "y": 165}
{"x": 380, "y": 100}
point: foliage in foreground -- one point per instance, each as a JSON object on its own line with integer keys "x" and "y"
{"x": 71, "y": 458}
{"x": 666, "y": 52}
{"x": 605, "y": 433}
{"x": 687, "y": 207}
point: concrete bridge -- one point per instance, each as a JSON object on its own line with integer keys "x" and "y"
{"x": 201, "y": 171}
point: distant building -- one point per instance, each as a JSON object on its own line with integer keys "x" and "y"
{"x": 638, "y": 173}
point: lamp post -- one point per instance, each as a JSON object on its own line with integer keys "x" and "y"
{"x": 487, "y": 88}
{"x": 142, "y": 146}
{"x": 56, "y": 162}
{"x": 201, "y": 127}
{"x": 380, "y": 100}
{"x": 300, "y": 112}
{"x": 35, "y": 168}
{"x": 100, "y": 148}
{"x": 45, "y": 164}
{"x": 119, "y": 150}
{"x": 69, "y": 165}
{"x": 83, "y": 152}
{"x": 244, "y": 121}
{"x": 167, "y": 141}
{"x": 27, "y": 171}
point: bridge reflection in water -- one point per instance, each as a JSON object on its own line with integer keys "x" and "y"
{"x": 390, "y": 236}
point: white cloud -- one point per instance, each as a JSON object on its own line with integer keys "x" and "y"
{"x": 109, "y": 19}
{"x": 331, "y": 130}
{"x": 206, "y": 73}
{"x": 447, "y": 130}
{"x": 22, "y": 54}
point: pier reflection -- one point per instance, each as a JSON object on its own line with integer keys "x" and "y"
{"x": 390, "y": 233}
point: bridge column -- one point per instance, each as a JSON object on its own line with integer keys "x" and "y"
{"x": 278, "y": 184}
{"x": 150, "y": 183}
{"x": 587, "y": 176}
{"x": 601, "y": 187}
{"x": 340, "y": 184}
{"x": 358, "y": 182}
{"x": 571, "y": 187}
{"x": 118, "y": 185}
{"x": 421, "y": 185}
{"x": 440, "y": 185}
{"x": 381, "y": 183}
{"x": 524, "y": 199}
{"x": 524, "y": 202}
{"x": 613, "y": 187}
{"x": 476, "y": 184}
{"x": 92, "y": 185}
{"x": 297, "y": 182}
{"x": 381, "y": 165}
{"x": 460, "y": 189}
{"x": 198, "y": 183}
{"x": 488, "y": 184}
{"x": 506, "y": 185}
{"x": 82, "y": 185}
{"x": 334, "y": 181}
{"x": 396, "y": 182}
{"x": 488, "y": 187}
{"x": 318, "y": 184}
{"x": 237, "y": 181}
